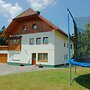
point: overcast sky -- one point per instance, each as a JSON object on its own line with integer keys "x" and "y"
{"x": 53, "y": 10}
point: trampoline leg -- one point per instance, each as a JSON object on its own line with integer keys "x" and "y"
{"x": 70, "y": 74}
{"x": 71, "y": 77}
{"x": 75, "y": 70}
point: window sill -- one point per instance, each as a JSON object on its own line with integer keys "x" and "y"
{"x": 42, "y": 60}
{"x": 38, "y": 44}
{"x": 45, "y": 43}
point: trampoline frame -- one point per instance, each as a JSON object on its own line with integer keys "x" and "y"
{"x": 72, "y": 62}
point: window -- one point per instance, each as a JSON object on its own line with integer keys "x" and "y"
{"x": 40, "y": 56}
{"x": 38, "y": 40}
{"x": 64, "y": 44}
{"x": 31, "y": 41}
{"x": 65, "y": 57}
{"x": 34, "y": 26}
{"x": 45, "y": 40}
{"x": 43, "y": 57}
{"x": 71, "y": 46}
{"x": 14, "y": 41}
{"x": 18, "y": 41}
{"x": 24, "y": 27}
{"x": 67, "y": 45}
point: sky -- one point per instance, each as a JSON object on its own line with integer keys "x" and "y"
{"x": 53, "y": 10}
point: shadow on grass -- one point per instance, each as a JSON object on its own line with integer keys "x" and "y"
{"x": 84, "y": 80}
{"x": 62, "y": 66}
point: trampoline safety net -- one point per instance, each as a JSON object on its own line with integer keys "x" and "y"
{"x": 82, "y": 39}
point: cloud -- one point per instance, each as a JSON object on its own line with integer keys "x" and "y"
{"x": 40, "y": 4}
{"x": 8, "y": 10}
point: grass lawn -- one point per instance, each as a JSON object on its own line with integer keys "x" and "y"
{"x": 46, "y": 80}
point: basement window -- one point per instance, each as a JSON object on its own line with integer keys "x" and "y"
{"x": 34, "y": 26}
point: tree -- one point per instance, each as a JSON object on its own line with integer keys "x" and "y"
{"x": 2, "y": 30}
{"x": 73, "y": 35}
{"x": 3, "y": 40}
{"x": 83, "y": 49}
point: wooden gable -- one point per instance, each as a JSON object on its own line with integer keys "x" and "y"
{"x": 26, "y": 26}
{"x": 27, "y": 19}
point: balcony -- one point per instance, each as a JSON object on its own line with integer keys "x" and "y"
{"x": 15, "y": 47}
{"x": 4, "y": 48}
{"x": 14, "y": 43}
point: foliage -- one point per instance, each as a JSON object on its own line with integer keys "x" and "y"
{"x": 2, "y": 29}
{"x": 72, "y": 35}
{"x": 84, "y": 43}
{"x": 3, "y": 40}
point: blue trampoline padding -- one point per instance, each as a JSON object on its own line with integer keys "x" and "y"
{"x": 83, "y": 64}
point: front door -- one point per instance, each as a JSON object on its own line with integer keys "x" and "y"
{"x": 33, "y": 58}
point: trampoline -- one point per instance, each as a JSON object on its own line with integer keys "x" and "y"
{"x": 81, "y": 41}
{"x": 83, "y": 64}
{"x": 81, "y": 37}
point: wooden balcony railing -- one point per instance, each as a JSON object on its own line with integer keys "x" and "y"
{"x": 14, "y": 44}
{"x": 14, "y": 47}
{"x": 4, "y": 48}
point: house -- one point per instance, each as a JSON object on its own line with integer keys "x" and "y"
{"x": 32, "y": 39}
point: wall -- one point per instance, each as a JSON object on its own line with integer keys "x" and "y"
{"x": 25, "y": 56}
{"x": 42, "y": 26}
{"x": 61, "y": 52}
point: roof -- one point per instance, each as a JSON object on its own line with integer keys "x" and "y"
{"x": 8, "y": 29}
{"x": 29, "y": 13}
{"x": 26, "y": 13}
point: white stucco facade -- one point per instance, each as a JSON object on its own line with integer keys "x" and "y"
{"x": 61, "y": 51}
{"x": 25, "y": 55}
{"x": 57, "y": 53}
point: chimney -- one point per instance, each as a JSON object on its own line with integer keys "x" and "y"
{"x": 37, "y": 12}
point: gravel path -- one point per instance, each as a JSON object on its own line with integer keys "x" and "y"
{"x": 6, "y": 69}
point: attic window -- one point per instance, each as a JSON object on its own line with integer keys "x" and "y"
{"x": 34, "y": 26}
{"x": 24, "y": 27}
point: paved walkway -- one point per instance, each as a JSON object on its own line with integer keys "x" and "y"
{"x": 8, "y": 69}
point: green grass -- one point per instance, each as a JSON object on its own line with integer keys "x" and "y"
{"x": 46, "y": 80}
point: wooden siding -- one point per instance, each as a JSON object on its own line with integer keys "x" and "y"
{"x": 14, "y": 46}
{"x": 3, "y": 58}
{"x": 42, "y": 26}
{"x": 3, "y": 47}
